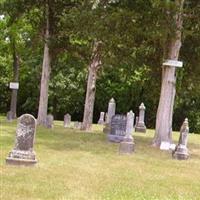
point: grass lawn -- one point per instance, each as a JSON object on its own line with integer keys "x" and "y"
{"x": 75, "y": 165}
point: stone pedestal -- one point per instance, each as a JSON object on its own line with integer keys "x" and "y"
{"x": 19, "y": 157}
{"x": 23, "y": 153}
{"x": 126, "y": 147}
{"x": 141, "y": 128}
{"x": 181, "y": 153}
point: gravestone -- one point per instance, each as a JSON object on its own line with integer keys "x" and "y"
{"x": 140, "y": 127}
{"x": 67, "y": 120}
{"x": 49, "y": 121}
{"x": 181, "y": 150}
{"x": 9, "y": 116}
{"x": 101, "y": 118}
{"x": 109, "y": 115}
{"x": 111, "y": 110}
{"x": 23, "y": 153}
{"x": 118, "y": 128}
{"x": 127, "y": 145}
{"x": 136, "y": 120}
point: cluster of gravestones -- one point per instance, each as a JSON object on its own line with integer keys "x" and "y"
{"x": 119, "y": 128}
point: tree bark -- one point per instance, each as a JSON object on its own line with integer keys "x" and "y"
{"x": 46, "y": 70}
{"x": 91, "y": 86}
{"x": 13, "y": 103}
{"x": 164, "y": 116}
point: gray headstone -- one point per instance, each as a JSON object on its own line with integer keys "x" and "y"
{"x": 9, "y": 116}
{"x": 136, "y": 121}
{"x": 127, "y": 145}
{"x": 67, "y": 120}
{"x": 111, "y": 110}
{"x": 140, "y": 127}
{"x": 49, "y": 121}
{"x": 181, "y": 150}
{"x": 118, "y": 128}
{"x": 101, "y": 118}
{"x": 129, "y": 126}
{"x": 23, "y": 153}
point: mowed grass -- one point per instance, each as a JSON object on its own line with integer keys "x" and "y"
{"x": 75, "y": 165}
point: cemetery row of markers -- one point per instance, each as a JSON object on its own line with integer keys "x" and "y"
{"x": 119, "y": 128}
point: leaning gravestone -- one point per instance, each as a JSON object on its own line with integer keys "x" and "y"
{"x": 140, "y": 126}
{"x": 101, "y": 118}
{"x": 181, "y": 150}
{"x": 127, "y": 145}
{"x": 67, "y": 120}
{"x": 118, "y": 128}
{"x": 23, "y": 153}
{"x": 49, "y": 121}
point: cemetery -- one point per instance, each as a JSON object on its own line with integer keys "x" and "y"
{"x": 100, "y": 100}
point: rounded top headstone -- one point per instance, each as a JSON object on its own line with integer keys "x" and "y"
{"x": 142, "y": 107}
{"x": 112, "y": 100}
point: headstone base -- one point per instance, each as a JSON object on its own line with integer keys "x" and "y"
{"x": 101, "y": 122}
{"x": 126, "y": 147}
{"x": 115, "y": 138}
{"x": 27, "y": 155}
{"x": 18, "y": 161}
{"x": 141, "y": 129}
{"x": 180, "y": 153}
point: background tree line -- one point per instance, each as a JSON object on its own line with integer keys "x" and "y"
{"x": 133, "y": 34}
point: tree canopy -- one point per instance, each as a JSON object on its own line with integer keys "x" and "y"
{"x": 133, "y": 34}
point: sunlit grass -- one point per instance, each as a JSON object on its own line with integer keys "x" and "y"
{"x": 79, "y": 165}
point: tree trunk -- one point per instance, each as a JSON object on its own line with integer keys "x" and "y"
{"x": 13, "y": 103}
{"x": 91, "y": 87}
{"x": 46, "y": 70}
{"x": 164, "y": 116}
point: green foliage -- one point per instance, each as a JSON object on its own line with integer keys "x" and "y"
{"x": 133, "y": 35}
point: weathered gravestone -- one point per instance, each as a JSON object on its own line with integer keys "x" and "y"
{"x": 140, "y": 127}
{"x": 49, "y": 121}
{"x": 118, "y": 128}
{"x": 67, "y": 120}
{"x": 9, "y": 116}
{"x": 110, "y": 114}
{"x": 181, "y": 150}
{"x": 111, "y": 110}
{"x": 101, "y": 118}
{"x": 23, "y": 153}
{"x": 127, "y": 145}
